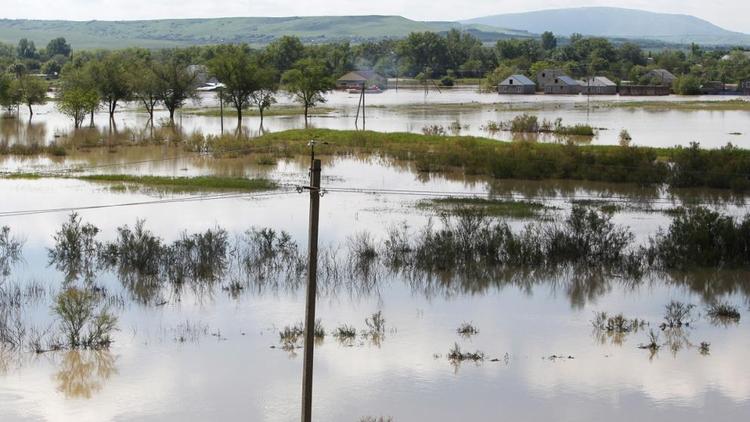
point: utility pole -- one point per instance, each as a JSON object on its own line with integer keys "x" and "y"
{"x": 363, "y": 106}
{"x": 221, "y": 108}
{"x": 312, "y": 273}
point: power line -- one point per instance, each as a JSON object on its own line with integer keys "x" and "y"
{"x": 196, "y": 198}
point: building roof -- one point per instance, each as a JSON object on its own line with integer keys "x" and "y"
{"x": 360, "y": 76}
{"x": 567, "y": 80}
{"x": 597, "y": 81}
{"x": 520, "y": 80}
{"x": 664, "y": 74}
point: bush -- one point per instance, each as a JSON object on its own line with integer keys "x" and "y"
{"x": 83, "y": 321}
{"x": 687, "y": 85}
{"x": 447, "y": 81}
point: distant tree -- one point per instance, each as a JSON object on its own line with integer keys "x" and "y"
{"x": 493, "y": 79}
{"x": 421, "y": 50}
{"x": 177, "y": 83}
{"x": 30, "y": 90}
{"x": 687, "y": 85}
{"x": 284, "y": 52}
{"x": 26, "y": 49}
{"x": 58, "y": 46}
{"x": 265, "y": 96}
{"x": 147, "y": 87}
{"x": 77, "y": 96}
{"x": 307, "y": 82}
{"x": 8, "y": 98}
{"x": 112, "y": 79}
{"x": 549, "y": 42}
{"x": 235, "y": 67}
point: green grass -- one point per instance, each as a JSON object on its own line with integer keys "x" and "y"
{"x": 252, "y": 30}
{"x": 120, "y": 181}
{"x": 185, "y": 183}
{"x": 252, "y": 112}
{"x": 491, "y": 207}
{"x": 727, "y": 105}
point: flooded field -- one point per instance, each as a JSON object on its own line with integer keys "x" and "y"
{"x": 408, "y": 110}
{"x": 196, "y": 342}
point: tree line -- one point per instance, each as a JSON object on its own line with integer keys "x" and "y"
{"x": 89, "y": 80}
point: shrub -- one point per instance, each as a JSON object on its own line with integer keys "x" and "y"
{"x": 83, "y": 321}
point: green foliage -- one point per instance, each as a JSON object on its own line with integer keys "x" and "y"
{"x": 84, "y": 322}
{"x": 687, "y": 85}
{"x": 307, "y": 81}
{"x": 699, "y": 237}
{"x": 30, "y": 91}
{"x": 111, "y": 78}
{"x": 176, "y": 82}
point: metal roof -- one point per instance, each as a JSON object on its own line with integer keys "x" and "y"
{"x": 521, "y": 79}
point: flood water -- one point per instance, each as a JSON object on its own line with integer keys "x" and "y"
{"x": 209, "y": 353}
{"x": 410, "y": 110}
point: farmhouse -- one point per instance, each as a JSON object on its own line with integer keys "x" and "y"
{"x": 563, "y": 85}
{"x": 516, "y": 84}
{"x": 357, "y": 78}
{"x": 598, "y": 85}
{"x": 547, "y": 77}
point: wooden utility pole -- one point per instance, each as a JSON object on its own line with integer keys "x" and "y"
{"x": 363, "y": 106}
{"x": 221, "y": 108}
{"x": 312, "y": 282}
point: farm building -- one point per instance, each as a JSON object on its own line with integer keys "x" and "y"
{"x": 598, "y": 85}
{"x": 355, "y": 79}
{"x": 660, "y": 77}
{"x": 563, "y": 85}
{"x": 547, "y": 77}
{"x": 516, "y": 84}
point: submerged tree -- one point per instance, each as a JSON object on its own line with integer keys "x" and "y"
{"x": 235, "y": 67}
{"x": 30, "y": 90}
{"x": 176, "y": 81}
{"x": 307, "y": 81}
{"x": 77, "y": 96}
{"x": 111, "y": 79}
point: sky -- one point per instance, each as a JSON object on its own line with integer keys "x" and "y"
{"x": 730, "y": 14}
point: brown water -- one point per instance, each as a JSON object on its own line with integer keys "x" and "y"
{"x": 227, "y": 370}
{"x": 411, "y": 111}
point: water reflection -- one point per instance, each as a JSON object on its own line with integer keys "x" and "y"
{"x": 83, "y": 373}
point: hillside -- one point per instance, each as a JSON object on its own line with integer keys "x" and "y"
{"x": 182, "y": 32}
{"x": 614, "y": 22}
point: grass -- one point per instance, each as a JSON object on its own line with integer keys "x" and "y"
{"x": 677, "y": 314}
{"x": 491, "y": 207}
{"x": 375, "y": 325}
{"x": 456, "y": 355}
{"x": 705, "y": 348}
{"x": 230, "y": 112}
{"x": 467, "y": 330}
{"x": 345, "y": 332}
{"x": 616, "y": 323}
{"x": 653, "y": 342}
{"x": 735, "y": 104}
{"x": 185, "y": 183}
{"x": 723, "y": 312}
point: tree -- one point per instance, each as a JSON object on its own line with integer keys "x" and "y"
{"x": 145, "y": 83}
{"x": 549, "y": 42}
{"x": 265, "y": 96}
{"x": 307, "y": 81}
{"x": 58, "y": 46}
{"x": 112, "y": 80}
{"x": 8, "y": 98}
{"x": 26, "y": 49}
{"x": 177, "y": 83}
{"x": 31, "y": 90}
{"x": 77, "y": 96}
{"x": 234, "y": 67}
{"x": 284, "y": 52}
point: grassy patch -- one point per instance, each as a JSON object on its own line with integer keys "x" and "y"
{"x": 492, "y": 207}
{"x": 182, "y": 184}
{"x": 253, "y": 112}
{"x": 727, "y": 105}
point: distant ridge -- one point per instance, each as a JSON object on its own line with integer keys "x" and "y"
{"x": 251, "y": 30}
{"x": 614, "y": 22}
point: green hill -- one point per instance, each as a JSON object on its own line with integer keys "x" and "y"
{"x": 183, "y": 32}
{"x": 613, "y": 22}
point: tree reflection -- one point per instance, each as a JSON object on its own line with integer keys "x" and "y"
{"x": 83, "y": 373}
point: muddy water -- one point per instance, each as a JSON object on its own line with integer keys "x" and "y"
{"x": 412, "y": 110}
{"x": 226, "y": 368}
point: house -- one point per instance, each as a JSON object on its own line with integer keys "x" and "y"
{"x": 516, "y": 84}
{"x": 598, "y": 85}
{"x": 357, "y": 78}
{"x": 744, "y": 87}
{"x": 742, "y": 53}
{"x": 563, "y": 85}
{"x": 661, "y": 77}
{"x": 713, "y": 88}
{"x": 547, "y": 77}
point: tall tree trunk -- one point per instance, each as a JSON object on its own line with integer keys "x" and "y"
{"x": 91, "y": 123}
{"x": 31, "y": 112}
{"x": 260, "y": 109}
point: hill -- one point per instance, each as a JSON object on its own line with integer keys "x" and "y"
{"x": 183, "y": 32}
{"x": 615, "y": 22}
